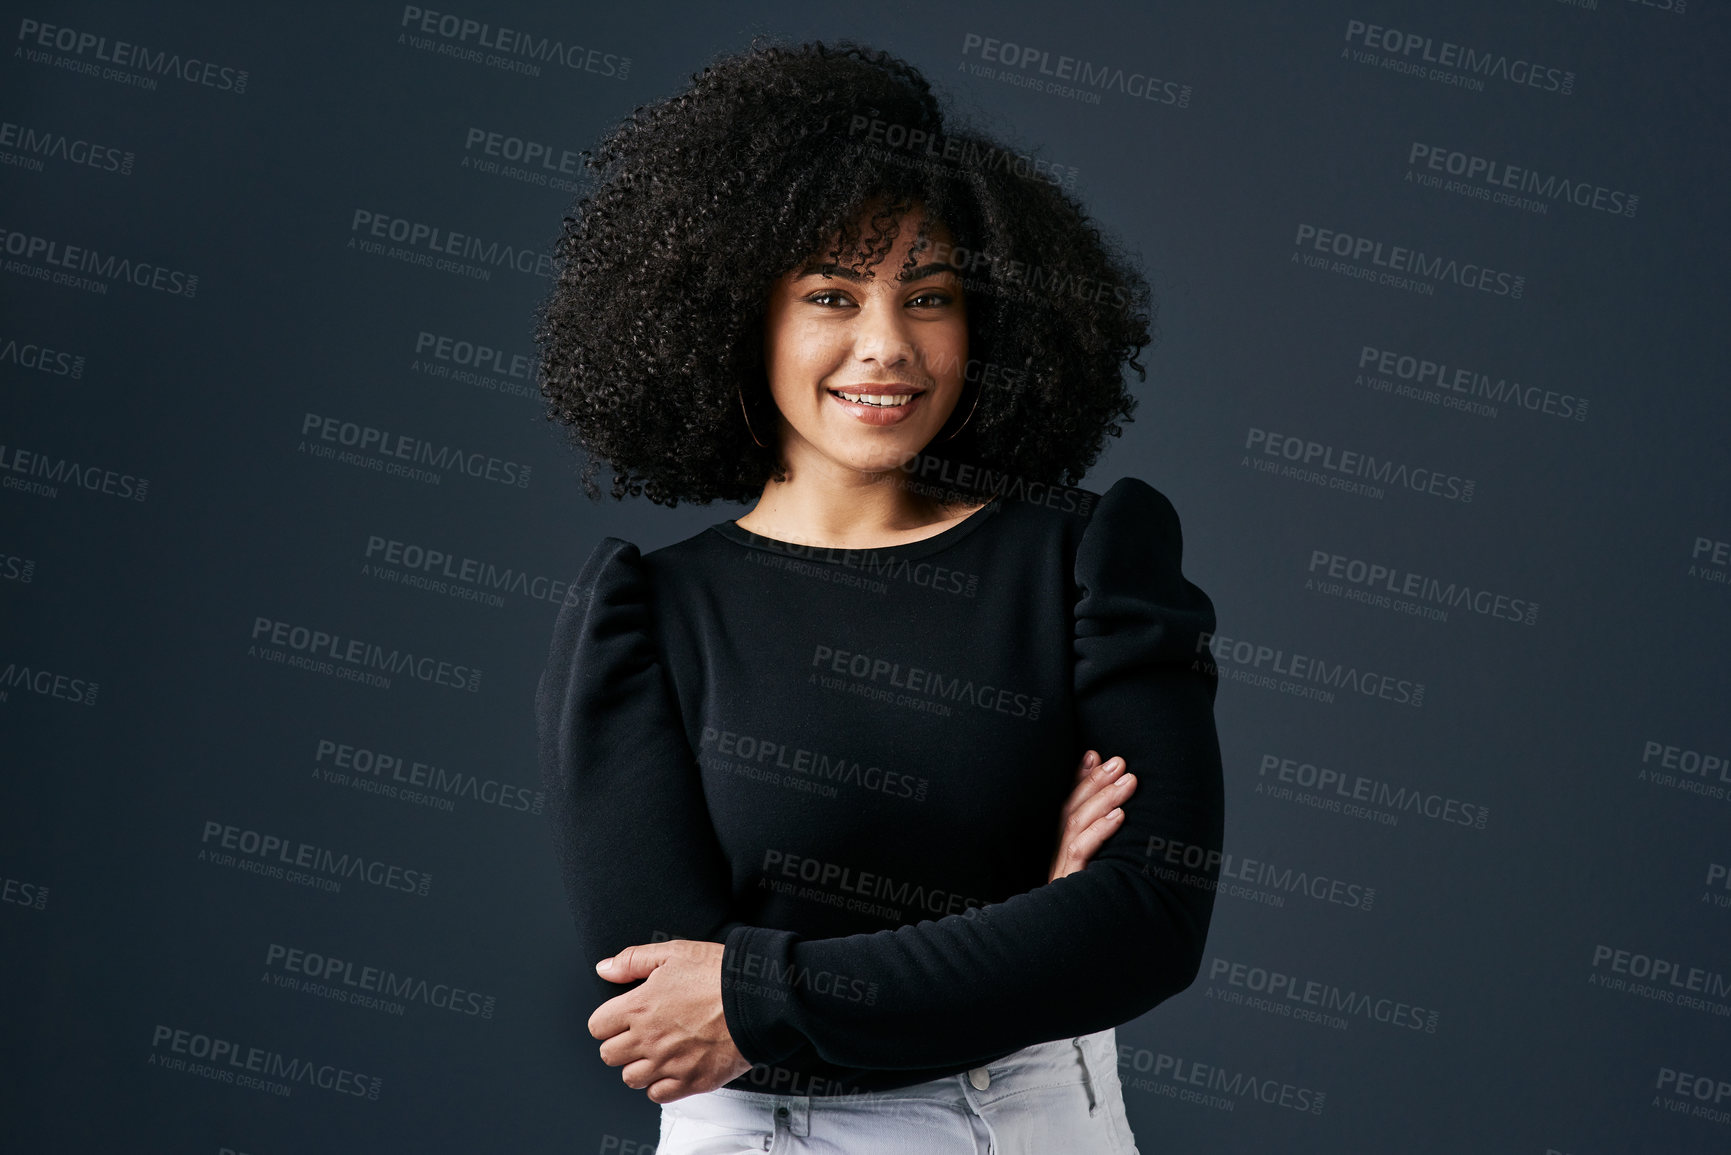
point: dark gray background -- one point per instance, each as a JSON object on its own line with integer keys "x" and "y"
{"x": 1596, "y": 520}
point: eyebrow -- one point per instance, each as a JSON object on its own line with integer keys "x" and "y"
{"x": 931, "y": 268}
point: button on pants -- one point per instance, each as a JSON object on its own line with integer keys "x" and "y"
{"x": 1056, "y": 1098}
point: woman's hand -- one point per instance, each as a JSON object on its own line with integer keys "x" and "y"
{"x": 1092, "y": 813}
{"x": 669, "y": 1034}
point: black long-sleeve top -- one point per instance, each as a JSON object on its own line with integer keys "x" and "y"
{"x": 848, "y": 767}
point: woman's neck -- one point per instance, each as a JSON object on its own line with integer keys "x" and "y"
{"x": 850, "y": 511}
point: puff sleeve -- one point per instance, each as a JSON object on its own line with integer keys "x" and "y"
{"x": 638, "y": 854}
{"x": 1082, "y": 953}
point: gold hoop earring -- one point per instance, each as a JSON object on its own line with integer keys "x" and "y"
{"x": 737, "y": 392}
{"x": 970, "y": 416}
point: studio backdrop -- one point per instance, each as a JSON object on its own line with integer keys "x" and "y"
{"x": 1439, "y": 392}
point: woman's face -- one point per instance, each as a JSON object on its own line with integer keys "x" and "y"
{"x": 864, "y": 367}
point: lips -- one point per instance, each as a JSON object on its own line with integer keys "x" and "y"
{"x": 880, "y": 404}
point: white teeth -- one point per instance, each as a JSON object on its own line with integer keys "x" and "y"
{"x": 887, "y": 401}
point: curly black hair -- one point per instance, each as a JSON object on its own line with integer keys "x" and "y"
{"x": 694, "y": 207}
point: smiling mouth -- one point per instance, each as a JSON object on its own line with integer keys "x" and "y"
{"x": 876, "y": 400}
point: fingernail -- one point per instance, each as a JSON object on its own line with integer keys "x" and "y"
{"x": 604, "y": 965}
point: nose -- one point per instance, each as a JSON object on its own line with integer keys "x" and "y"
{"x": 883, "y": 334}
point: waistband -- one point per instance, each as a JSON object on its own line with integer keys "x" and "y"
{"x": 1090, "y": 1060}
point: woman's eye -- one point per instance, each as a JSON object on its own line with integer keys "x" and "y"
{"x": 933, "y": 298}
{"x": 826, "y": 296}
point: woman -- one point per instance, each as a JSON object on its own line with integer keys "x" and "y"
{"x": 806, "y": 767}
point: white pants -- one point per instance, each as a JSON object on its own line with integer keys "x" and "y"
{"x": 1057, "y": 1098}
